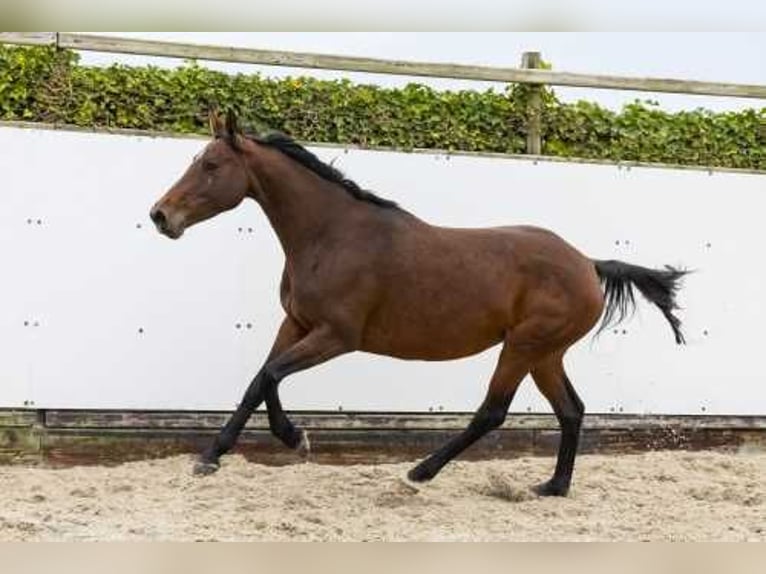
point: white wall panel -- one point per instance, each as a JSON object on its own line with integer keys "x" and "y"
{"x": 126, "y": 318}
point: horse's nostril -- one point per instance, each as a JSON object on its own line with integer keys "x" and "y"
{"x": 158, "y": 217}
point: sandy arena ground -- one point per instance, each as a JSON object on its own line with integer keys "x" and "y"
{"x": 656, "y": 496}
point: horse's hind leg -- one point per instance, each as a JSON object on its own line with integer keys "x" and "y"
{"x": 510, "y": 371}
{"x": 550, "y": 378}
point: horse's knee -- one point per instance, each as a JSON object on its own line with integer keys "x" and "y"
{"x": 259, "y": 389}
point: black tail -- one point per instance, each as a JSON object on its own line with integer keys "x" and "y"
{"x": 659, "y": 286}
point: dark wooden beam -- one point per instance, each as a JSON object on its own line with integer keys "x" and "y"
{"x": 63, "y": 437}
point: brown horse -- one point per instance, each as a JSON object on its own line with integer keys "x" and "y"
{"x": 363, "y": 274}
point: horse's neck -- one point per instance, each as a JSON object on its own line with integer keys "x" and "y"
{"x": 300, "y": 205}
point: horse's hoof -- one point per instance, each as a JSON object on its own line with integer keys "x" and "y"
{"x": 304, "y": 446}
{"x": 420, "y": 474}
{"x": 550, "y": 489}
{"x": 202, "y": 468}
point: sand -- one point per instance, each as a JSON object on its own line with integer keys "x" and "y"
{"x": 668, "y": 496}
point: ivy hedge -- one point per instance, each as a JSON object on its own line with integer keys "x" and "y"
{"x": 42, "y": 84}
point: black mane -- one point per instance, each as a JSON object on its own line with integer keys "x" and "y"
{"x": 293, "y": 149}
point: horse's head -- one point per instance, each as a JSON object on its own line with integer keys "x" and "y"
{"x": 217, "y": 180}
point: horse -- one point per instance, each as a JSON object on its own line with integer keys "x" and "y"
{"x": 363, "y": 274}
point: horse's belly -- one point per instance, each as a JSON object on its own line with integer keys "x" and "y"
{"x": 421, "y": 336}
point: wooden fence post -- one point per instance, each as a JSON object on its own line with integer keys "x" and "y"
{"x": 534, "y": 106}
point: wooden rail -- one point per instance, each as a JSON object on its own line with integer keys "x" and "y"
{"x": 105, "y": 437}
{"x": 90, "y": 42}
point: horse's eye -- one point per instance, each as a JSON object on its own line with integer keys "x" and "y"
{"x": 208, "y": 165}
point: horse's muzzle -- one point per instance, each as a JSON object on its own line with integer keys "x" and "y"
{"x": 163, "y": 224}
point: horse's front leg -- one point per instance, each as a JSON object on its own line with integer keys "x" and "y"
{"x": 282, "y": 427}
{"x": 294, "y": 350}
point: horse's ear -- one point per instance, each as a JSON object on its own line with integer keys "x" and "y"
{"x": 232, "y": 125}
{"x": 217, "y": 126}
